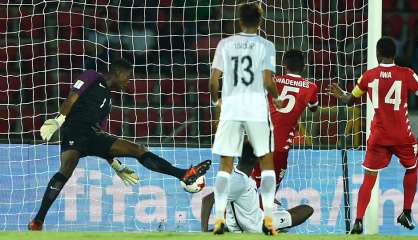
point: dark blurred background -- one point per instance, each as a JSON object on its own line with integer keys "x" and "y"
{"x": 44, "y": 45}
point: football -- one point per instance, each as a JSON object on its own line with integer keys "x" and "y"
{"x": 195, "y": 187}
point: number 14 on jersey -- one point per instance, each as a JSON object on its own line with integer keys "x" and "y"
{"x": 393, "y": 96}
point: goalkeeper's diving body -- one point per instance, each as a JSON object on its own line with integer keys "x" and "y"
{"x": 81, "y": 120}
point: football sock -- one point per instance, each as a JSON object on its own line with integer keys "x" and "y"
{"x": 53, "y": 189}
{"x": 364, "y": 194}
{"x": 279, "y": 177}
{"x": 157, "y": 164}
{"x": 267, "y": 190}
{"x": 221, "y": 193}
{"x": 409, "y": 187}
{"x": 280, "y": 170}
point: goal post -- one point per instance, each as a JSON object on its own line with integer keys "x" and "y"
{"x": 374, "y": 23}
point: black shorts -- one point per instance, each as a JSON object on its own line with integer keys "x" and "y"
{"x": 88, "y": 141}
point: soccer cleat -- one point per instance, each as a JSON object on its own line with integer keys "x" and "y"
{"x": 357, "y": 227}
{"x": 35, "y": 225}
{"x": 219, "y": 227}
{"x": 405, "y": 219}
{"x": 195, "y": 172}
{"x": 268, "y": 227}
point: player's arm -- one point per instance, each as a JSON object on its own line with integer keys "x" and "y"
{"x": 68, "y": 103}
{"x": 269, "y": 67}
{"x": 125, "y": 173}
{"x": 269, "y": 84}
{"x": 50, "y": 126}
{"x": 271, "y": 88}
{"x": 345, "y": 97}
{"x": 214, "y": 86}
{"x": 313, "y": 101}
{"x": 207, "y": 204}
{"x": 413, "y": 82}
{"x": 217, "y": 69}
{"x": 337, "y": 92}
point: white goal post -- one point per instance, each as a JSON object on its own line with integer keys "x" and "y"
{"x": 374, "y": 23}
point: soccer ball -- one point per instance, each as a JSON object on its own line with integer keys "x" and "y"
{"x": 195, "y": 187}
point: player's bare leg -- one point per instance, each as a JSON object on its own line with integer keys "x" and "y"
{"x": 221, "y": 192}
{"x": 410, "y": 188}
{"x": 69, "y": 161}
{"x": 267, "y": 189}
{"x": 124, "y": 148}
{"x": 300, "y": 214}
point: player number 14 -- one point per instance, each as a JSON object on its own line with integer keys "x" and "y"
{"x": 393, "y": 96}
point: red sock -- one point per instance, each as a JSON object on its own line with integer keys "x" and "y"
{"x": 409, "y": 187}
{"x": 364, "y": 194}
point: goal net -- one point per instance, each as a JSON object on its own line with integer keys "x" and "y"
{"x": 45, "y": 45}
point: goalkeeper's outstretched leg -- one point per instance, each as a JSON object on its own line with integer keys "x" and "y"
{"x": 124, "y": 148}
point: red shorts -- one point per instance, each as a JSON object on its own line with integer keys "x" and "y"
{"x": 379, "y": 156}
{"x": 280, "y": 166}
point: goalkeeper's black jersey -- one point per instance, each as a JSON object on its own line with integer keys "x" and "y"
{"x": 93, "y": 106}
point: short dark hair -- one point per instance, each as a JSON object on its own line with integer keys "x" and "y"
{"x": 386, "y": 47}
{"x": 250, "y": 14}
{"x": 120, "y": 64}
{"x": 293, "y": 60}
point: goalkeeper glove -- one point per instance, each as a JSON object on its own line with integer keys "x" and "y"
{"x": 127, "y": 175}
{"x": 50, "y": 126}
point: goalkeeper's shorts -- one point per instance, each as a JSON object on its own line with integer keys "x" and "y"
{"x": 88, "y": 141}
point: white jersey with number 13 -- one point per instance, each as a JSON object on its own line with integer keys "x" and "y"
{"x": 242, "y": 59}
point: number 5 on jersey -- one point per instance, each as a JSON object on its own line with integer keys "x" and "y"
{"x": 393, "y": 96}
{"x": 291, "y": 99}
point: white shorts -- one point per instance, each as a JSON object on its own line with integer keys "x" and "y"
{"x": 229, "y": 138}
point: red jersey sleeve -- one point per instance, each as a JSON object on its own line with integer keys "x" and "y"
{"x": 362, "y": 82}
{"x": 412, "y": 81}
{"x": 313, "y": 100}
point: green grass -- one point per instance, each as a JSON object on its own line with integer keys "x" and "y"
{"x": 185, "y": 236}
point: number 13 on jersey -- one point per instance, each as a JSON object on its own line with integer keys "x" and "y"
{"x": 393, "y": 96}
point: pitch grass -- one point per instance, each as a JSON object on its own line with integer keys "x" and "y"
{"x": 180, "y": 236}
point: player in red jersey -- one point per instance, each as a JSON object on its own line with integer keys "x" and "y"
{"x": 388, "y": 86}
{"x": 296, "y": 94}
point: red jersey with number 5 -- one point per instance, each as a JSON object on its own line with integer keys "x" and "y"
{"x": 296, "y": 93}
{"x": 388, "y": 86}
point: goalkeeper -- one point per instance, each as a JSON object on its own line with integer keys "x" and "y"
{"x": 82, "y": 117}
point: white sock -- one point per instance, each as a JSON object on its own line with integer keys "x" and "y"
{"x": 221, "y": 193}
{"x": 267, "y": 189}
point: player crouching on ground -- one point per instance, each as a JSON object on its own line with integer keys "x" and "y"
{"x": 388, "y": 86}
{"x": 243, "y": 212}
{"x": 82, "y": 117}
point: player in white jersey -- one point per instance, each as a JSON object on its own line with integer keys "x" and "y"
{"x": 247, "y": 62}
{"x": 243, "y": 212}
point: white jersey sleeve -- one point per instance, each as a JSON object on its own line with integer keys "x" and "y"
{"x": 270, "y": 60}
